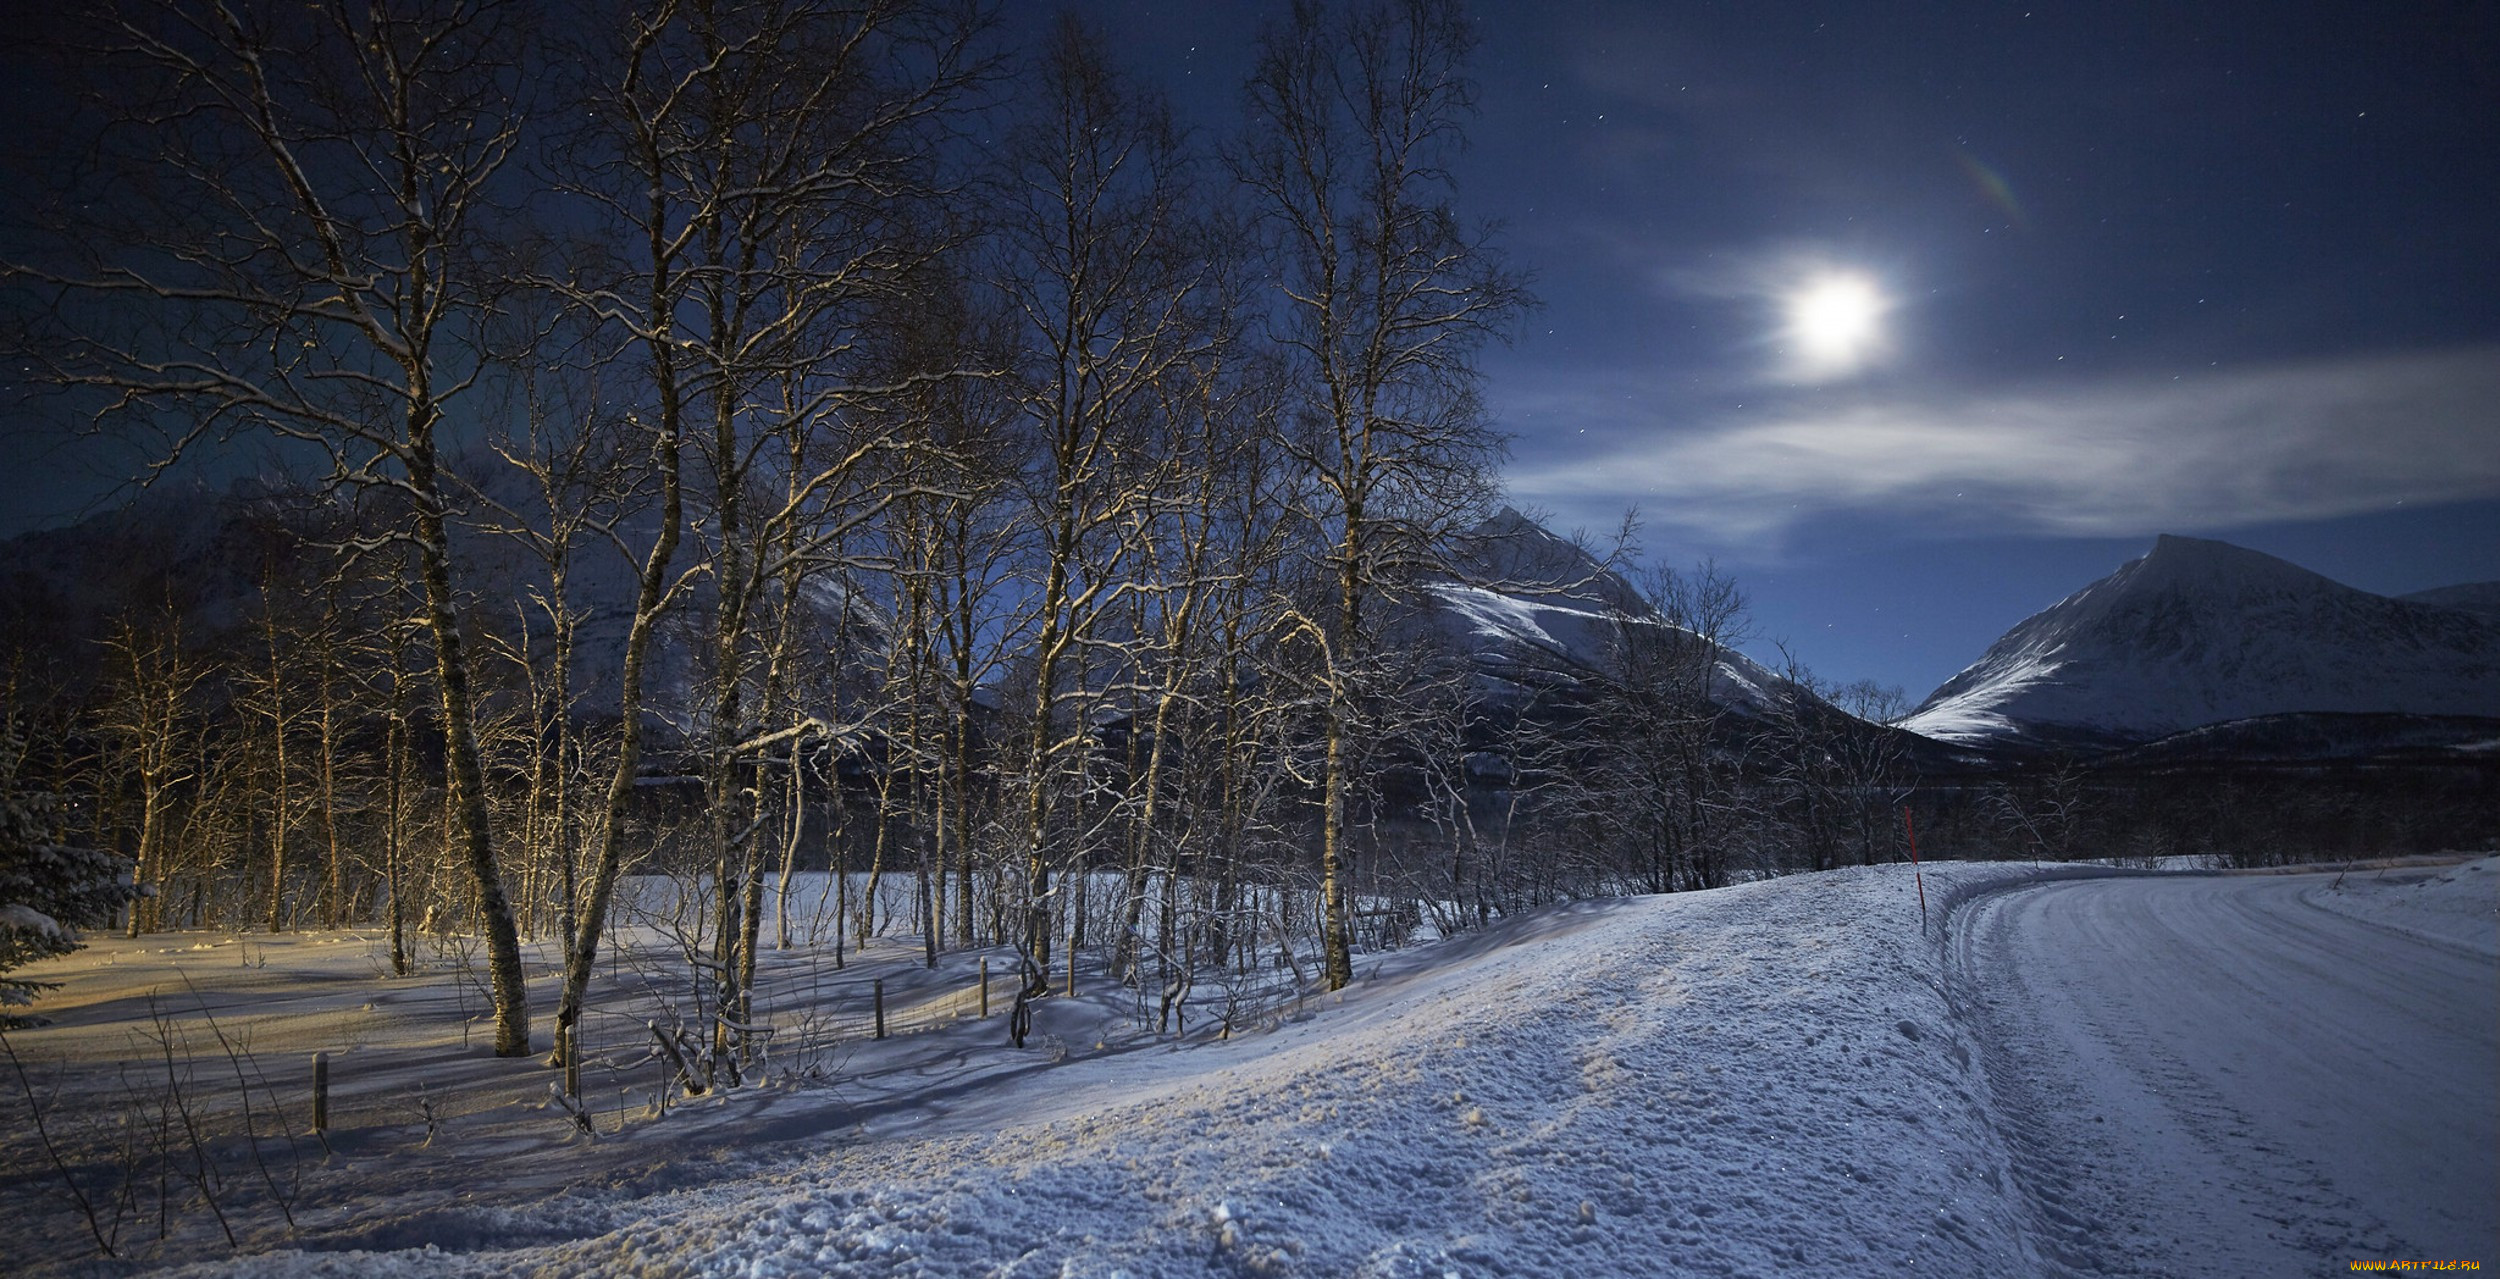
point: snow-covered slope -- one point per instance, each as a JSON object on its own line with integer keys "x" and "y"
{"x": 1803, "y": 1075}
{"x": 2199, "y": 632}
{"x": 2482, "y": 599}
{"x": 1757, "y": 1080}
{"x": 1532, "y": 609}
{"x": 1789, "y": 1077}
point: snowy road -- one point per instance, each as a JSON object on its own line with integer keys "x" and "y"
{"x": 2243, "y": 1074}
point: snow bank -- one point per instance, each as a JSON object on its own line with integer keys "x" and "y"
{"x": 2454, "y": 906}
{"x": 1749, "y": 1081}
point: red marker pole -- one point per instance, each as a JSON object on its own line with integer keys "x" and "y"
{"x": 1915, "y": 872}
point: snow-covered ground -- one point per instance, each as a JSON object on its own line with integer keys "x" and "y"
{"x": 1780, "y": 1077}
{"x": 2251, "y": 1075}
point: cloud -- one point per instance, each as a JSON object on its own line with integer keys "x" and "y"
{"x": 2120, "y": 458}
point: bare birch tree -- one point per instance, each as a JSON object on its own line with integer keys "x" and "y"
{"x": 1356, "y": 111}
{"x": 1643, "y": 763}
{"x": 1106, "y": 281}
{"x": 290, "y": 248}
{"x": 150, "y": 718}
{"x": 761, "y": 167}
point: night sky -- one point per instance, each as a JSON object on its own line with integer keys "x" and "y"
{"x": 2102, "y": 271}
{"x": 2218, "y": 268}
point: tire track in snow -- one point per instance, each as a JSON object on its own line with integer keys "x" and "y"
{"x": 2210, "y": 1071}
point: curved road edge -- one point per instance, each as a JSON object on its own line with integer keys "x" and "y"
{"x": 2215, "y": 1072}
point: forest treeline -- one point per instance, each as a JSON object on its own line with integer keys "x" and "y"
{"x": 729, "y": 440}
{"x": 919, "y": 453}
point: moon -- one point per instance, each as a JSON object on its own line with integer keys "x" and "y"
{"x": 1835, "y": 321}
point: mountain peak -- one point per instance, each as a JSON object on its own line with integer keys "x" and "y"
{"x": 2198, "y": 631}
{"x": 2203, "y": 564}
{"x": 2177, "y": 547}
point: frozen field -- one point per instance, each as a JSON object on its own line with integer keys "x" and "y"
{"x": 1774, "y": 1078}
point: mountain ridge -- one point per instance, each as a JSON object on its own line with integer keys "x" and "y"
{"x": 2482, "y": 599}
{"x": 1531, "y": 607}
{"x": 2197, "y": 632}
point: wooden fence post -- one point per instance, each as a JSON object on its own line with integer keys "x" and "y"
{"x": 1915, "y": 873}
{"x": 985, "y": 988}
{"x": 664, "y": 1080}
{"x": 321, "y": 1092}
{"x": 881, "y": 1008}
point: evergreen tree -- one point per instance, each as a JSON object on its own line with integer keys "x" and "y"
{"x": 48, "y": 887}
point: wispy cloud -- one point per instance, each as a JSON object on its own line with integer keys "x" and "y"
{"x": 2120, "y": 458}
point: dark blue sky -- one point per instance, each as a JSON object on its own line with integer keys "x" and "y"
{"x": 2217, "y": 268}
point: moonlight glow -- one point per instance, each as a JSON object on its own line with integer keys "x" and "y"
{"x": 1836, "y": 323}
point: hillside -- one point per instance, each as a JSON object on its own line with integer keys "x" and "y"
{"x": 2482, "y": 599}
{"x": 215, "y": 557}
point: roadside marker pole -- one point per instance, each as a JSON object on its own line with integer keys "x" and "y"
{"x": 1915, "y": 872}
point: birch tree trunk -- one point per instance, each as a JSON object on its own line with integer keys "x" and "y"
{"x": 1387, "y": 298}
{"x": 1108, "y": 281}
{"x": 314, "y": 186}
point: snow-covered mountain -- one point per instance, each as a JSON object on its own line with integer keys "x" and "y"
{"x": 209, "y": 555}
{"x": 2201, "y": 632}
{"x": 1533, "y": 609}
